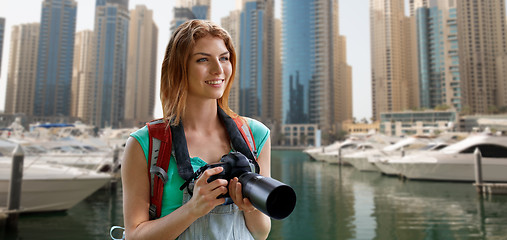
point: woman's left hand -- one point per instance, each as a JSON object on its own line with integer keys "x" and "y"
{"x": 235, "y": 191}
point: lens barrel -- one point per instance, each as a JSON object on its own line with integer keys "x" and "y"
{"x": 270, "y": 196}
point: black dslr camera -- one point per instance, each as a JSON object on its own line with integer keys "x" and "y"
{"x": 269, "y": 195}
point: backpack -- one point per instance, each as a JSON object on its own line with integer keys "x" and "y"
{"x": 162, "y": 137}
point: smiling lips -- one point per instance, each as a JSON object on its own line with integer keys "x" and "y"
{"x": 215, "y": 82}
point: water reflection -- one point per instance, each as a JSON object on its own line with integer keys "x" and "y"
{"x": 343, "y": 203}
{"x": 333, "y": 203}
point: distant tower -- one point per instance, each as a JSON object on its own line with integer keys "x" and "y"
{"x": 390, "y": 56}
{"x": 2, "y": 30}
{"x": 109, "y": 63}
{"x": 481, "y": 37}
{"x": 256, "y": 63}
{"x": 142, "y": 66}
{"x": 22, "y": 69}
{"x": 82, "y": 104}
{"x": 54, "y": 58}
{"x": 316, "y": 77}
{"x": 190, "y": 9}
{"x": 437, "y": 44}
{"x": 231, "y": 24}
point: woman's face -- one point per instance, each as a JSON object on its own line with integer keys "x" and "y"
{"x": 209, "y": 68}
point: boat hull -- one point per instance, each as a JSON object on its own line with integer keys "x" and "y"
{"x": 52, "y": 194}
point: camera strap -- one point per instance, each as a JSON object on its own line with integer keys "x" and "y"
{"x": 194, "y": 176}
{"x": 168, "y": 140}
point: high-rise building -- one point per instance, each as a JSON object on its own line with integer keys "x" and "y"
{"x": 438, "y": 60}
{"x": 185, "y": 10}
{"x": 481, "y": 38}
{"x": 277, "y": 55}
{"x": 109, "y": 63}
{"x": 315, "y": 74}
{"x": 2, "y": 30}
{"x": 256, "y": 61}
{"x": 54, "y": 58}
{"x": 391, "y": 58}
{"x": 22, "y": 69}
{"x": 231, "y": 24}
{"x": 81, "y": 104}
{"x": 141, "y": 67}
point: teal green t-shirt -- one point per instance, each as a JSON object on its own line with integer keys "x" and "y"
{"x": 173, "y": 196}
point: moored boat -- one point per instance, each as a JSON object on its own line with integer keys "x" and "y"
{"x": 47, "y": 187}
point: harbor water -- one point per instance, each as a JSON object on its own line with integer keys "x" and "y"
{"x": 333, "y": 202}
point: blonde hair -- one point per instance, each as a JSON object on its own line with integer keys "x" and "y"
{"x": 174, "y": 79}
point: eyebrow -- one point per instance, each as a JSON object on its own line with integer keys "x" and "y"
{"x": 207, "y": 54}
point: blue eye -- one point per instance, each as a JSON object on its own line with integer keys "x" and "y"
{"x": 202, "y": 60}
{"x": 224, "y": 59}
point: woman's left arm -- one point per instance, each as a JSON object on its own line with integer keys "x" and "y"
{"x": 257, "y": 222}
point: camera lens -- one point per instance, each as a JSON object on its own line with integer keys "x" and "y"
{"x": 269, "y": 195}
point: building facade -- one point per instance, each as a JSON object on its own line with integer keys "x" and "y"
{"x": 142, "y": 66}
{"x": 300, "y": 135}
{"x": 82, "y": 105}
{"x": 2, "y": 31}
{"x": 315, "y": 75}
{"x": 231, "y": 24}
{"x": 418, "y": 122}
{"x": 256, "y": 61}
{"x": 481, "y": 37}
{"x": 185, "y": 10}
{"x": 438, "y": 59}
{"x": 390, "y": 57}
{"x": 109, "y": 63}
{"x": 54, "y": 58}
{"x": 22, "y": 70}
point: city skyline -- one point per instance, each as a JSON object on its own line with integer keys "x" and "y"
{"x": 357, "y": 41}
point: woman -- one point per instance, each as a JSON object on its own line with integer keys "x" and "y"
{"x": 197, "y": 75}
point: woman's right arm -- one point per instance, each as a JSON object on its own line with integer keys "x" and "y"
{"x": 136, "y": 200}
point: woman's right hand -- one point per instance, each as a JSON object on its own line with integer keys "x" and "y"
{"x": 205, "y": 196}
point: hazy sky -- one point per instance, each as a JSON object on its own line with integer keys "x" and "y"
{"x": 354, "y": 24}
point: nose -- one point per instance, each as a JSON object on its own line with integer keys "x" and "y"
{"x": 216, "y": 67}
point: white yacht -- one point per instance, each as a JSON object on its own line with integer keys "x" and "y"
{"x": 314, "y": 152}
{"x": 47, "y": 187}
{"x": 334, "y": 157}
{"x": 365, "y": 160}
{"x": 457, "y": 161}
{"x": 384, "y": 163}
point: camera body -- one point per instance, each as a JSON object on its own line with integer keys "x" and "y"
{"x": 234, "y": 164}
{"x": 270, "y": 196}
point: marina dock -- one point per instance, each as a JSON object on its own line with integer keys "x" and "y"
{"x": 491, "y": 188}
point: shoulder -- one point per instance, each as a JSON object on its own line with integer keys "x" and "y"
{"x": 259, "y": 131}
{"x": 140, "y": 133}
{"x": 142, "y": 136}
{"x": 257, "y": 127}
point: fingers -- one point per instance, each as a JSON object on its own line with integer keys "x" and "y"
{"x": 235, "y": 191}
{"x": 208, "y": 173}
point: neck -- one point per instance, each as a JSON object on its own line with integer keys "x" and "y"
{"x": 201, "y": 115}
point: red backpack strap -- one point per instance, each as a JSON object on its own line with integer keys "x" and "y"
{"x": 246, "y": 133}
{"x": 159, "y": 156}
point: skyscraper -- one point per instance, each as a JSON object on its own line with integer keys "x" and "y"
{"x": 390, "y": 56}
{"x": 437, "y": 44}
{"x": 190, "y": 9}
{"x": 142, "y": 65}
{"x": 54, "y": 58}
{"x": 109, "y": 62}
{"x": 2, "y": 30}
{"x": 231, "y": 24}
{"x": 481, "y": 37}
{"x": 82, "y": 75}
{"x": 22, "y": 69}
{"x": 256, "y": 61}
{"x": 314, "y": 67}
